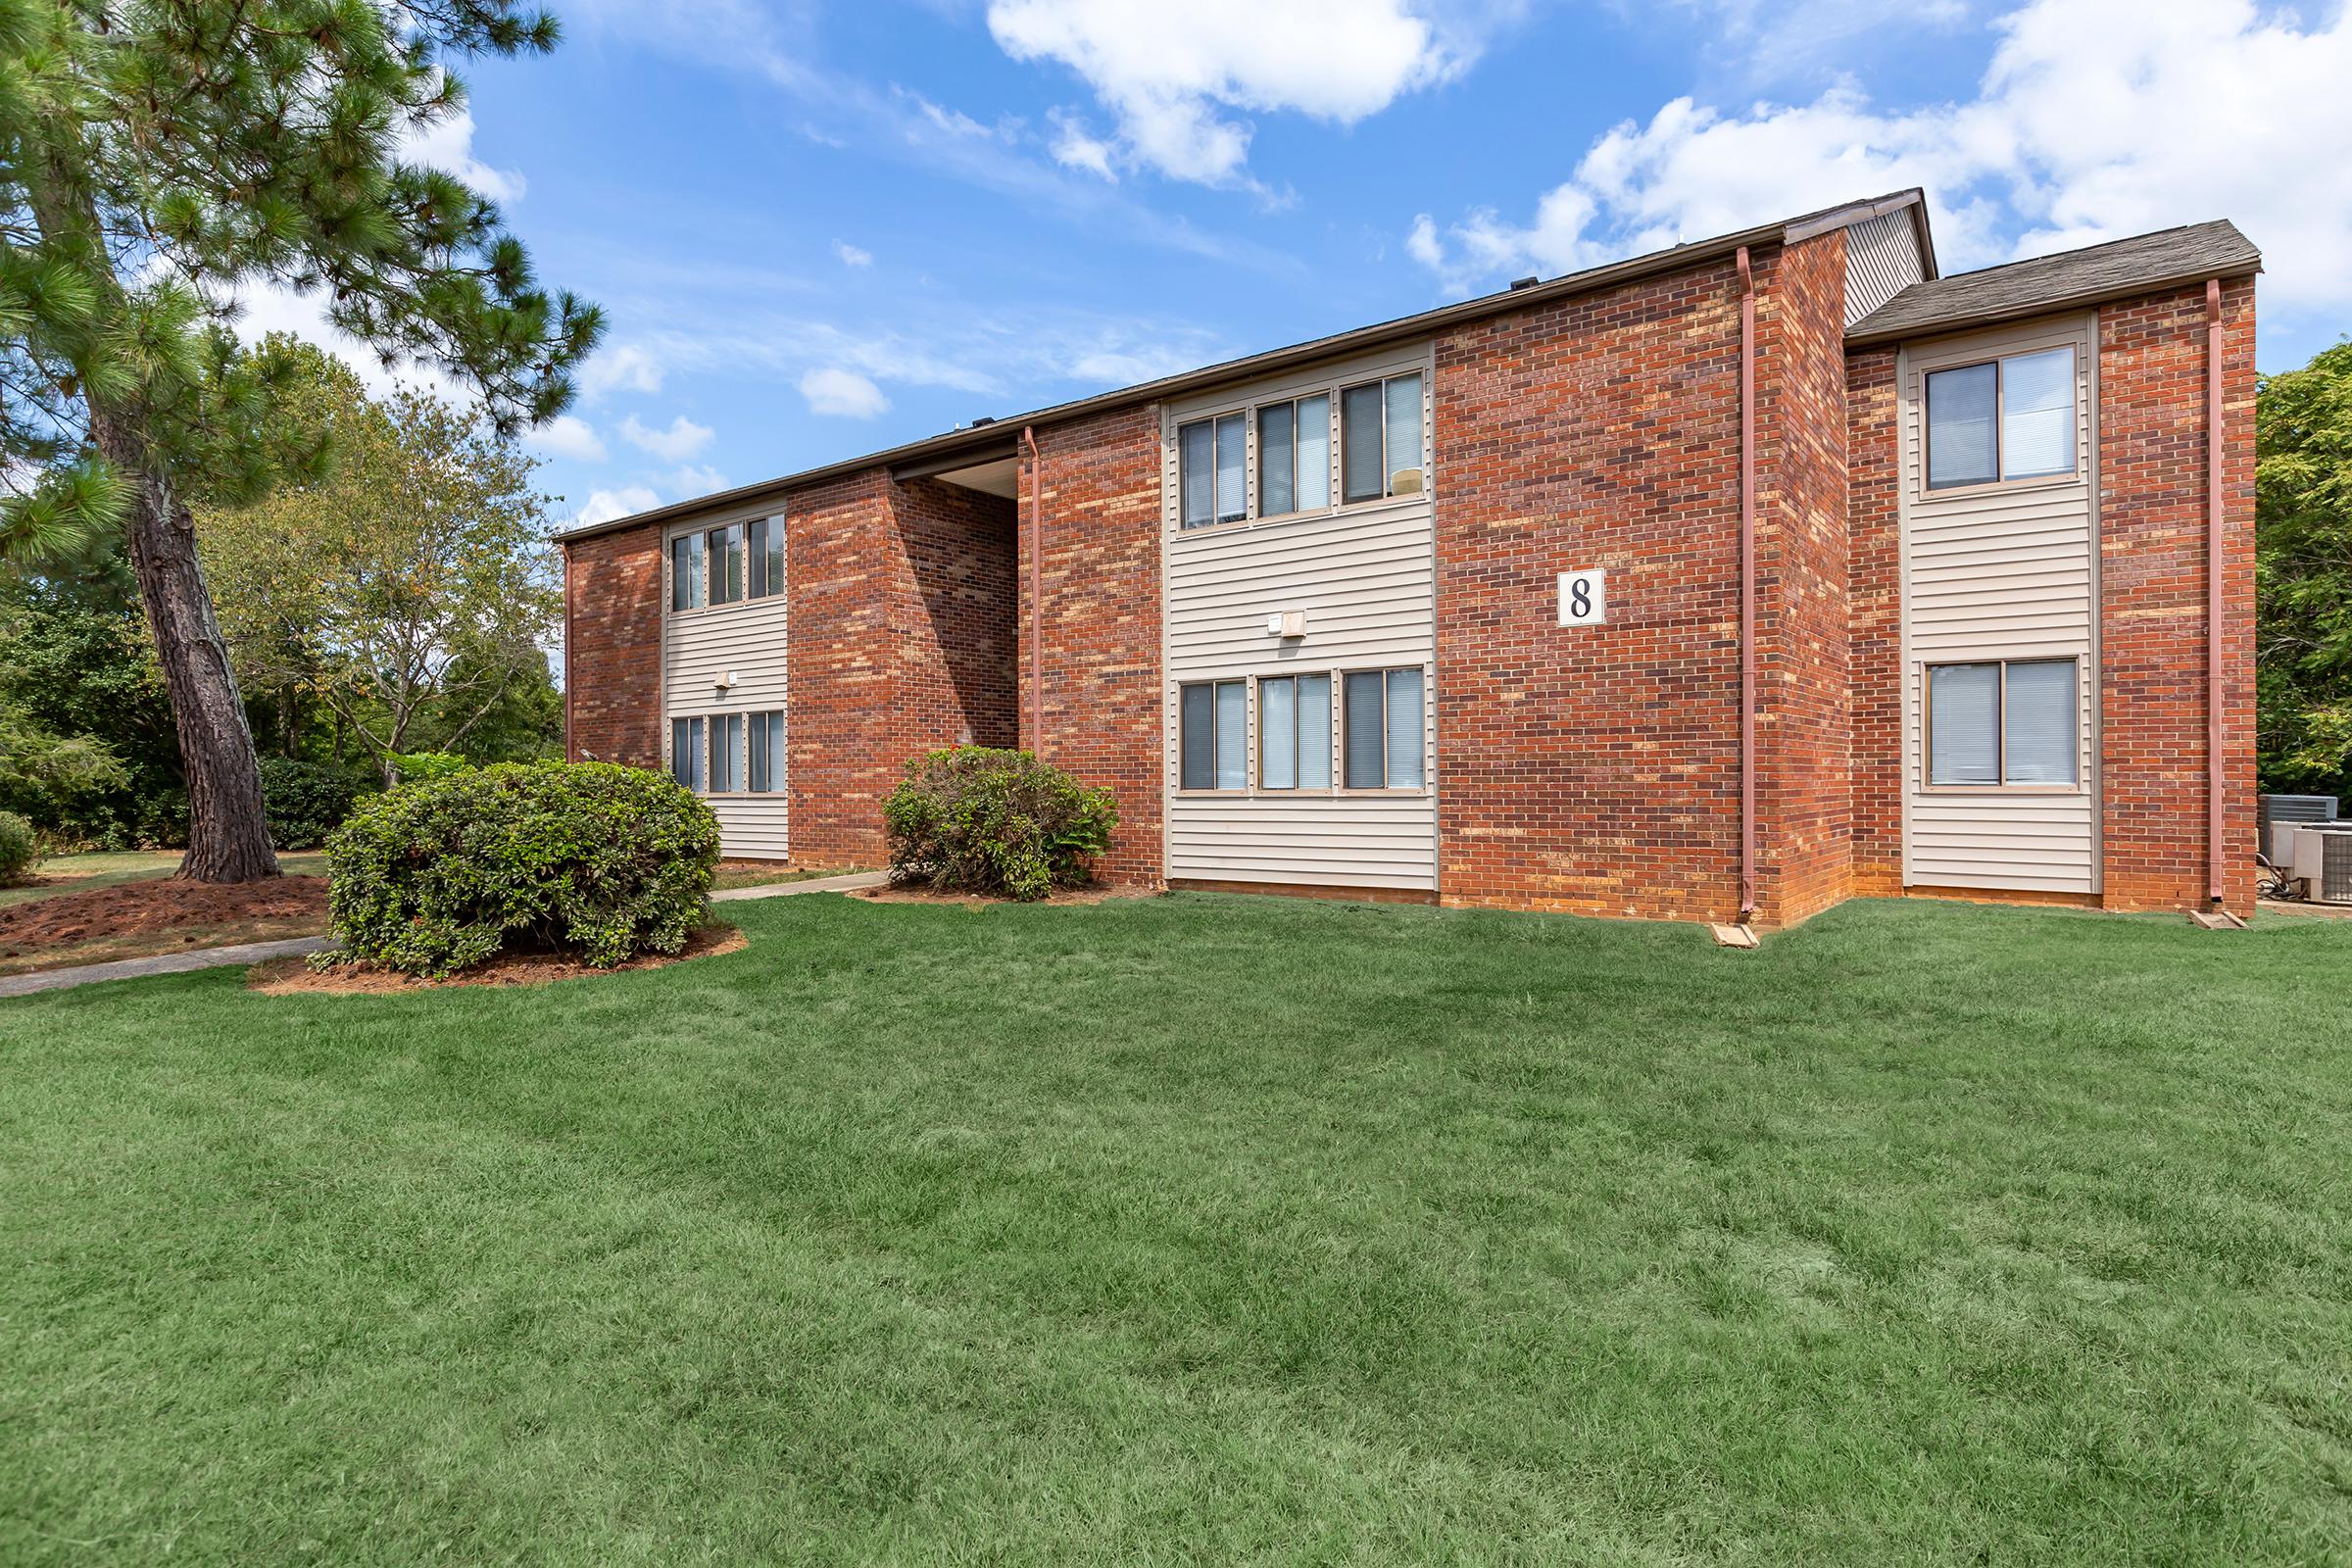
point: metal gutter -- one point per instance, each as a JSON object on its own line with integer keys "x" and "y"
{"x": 921, "y": 455}
{"x": 1747, "y": 588}
{"x": 2213, "y": 781}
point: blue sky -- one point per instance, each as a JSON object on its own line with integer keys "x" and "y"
{"x": 817, "y": 231}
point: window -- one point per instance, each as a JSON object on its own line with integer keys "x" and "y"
{"x": 1212, "y": 469}
{"x": 1380, "y": 438}
{"x": 686, "y": 751}
{"x": 726, "y": 752}
{"x": 2002, "y": 722}
{"x": 686, "y": 571}
{"x": 2007, "y": 419}
{"x": 764, "y": 556}
{"x": 767, "y": 753}
{"x": 1294, "y": 456}
{"x": 1214, "y": 735}
{"x": 726, "y": 566}
{"x": 1382, "y": 742}
{"x": 1294, "y": 732}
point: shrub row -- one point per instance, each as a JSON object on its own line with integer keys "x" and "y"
{"x": 976, "y": 819}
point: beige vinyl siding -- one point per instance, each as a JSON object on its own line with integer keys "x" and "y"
{"x": 2001, "y": 572}
{"x": 698, "y": 646}
{"x": 1881, "y": 260}
{"x": 1365, "y": 576}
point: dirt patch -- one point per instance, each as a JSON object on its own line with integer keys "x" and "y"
{"x": 158, "y": 905}
{"x": 281, "y": 977}
{"x": 1096, "y": 892}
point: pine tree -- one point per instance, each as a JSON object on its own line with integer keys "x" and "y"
{"x": 157, "y": 157}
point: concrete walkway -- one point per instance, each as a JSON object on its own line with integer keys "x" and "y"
{"x": 816, "y": 884}
{"x": 89, "y": 974}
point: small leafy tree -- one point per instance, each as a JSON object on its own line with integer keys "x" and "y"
{"x": 408, "y": 587}
{"x": 2303, "y": 576}
{"x": 157, "y": 157}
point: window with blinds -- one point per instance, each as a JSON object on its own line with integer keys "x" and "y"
{"x": 2007, "y": 419}
{"x": 1997, "y": 723}
{"x": 1379, "y": 431}
{"x": 1382, "y": 744}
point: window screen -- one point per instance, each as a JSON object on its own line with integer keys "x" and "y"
{"x": 767, "y": 754}
{"x": 1195, "y": 474}
{"x": 1382, "y": 740}
{"x": 1233, "y": 735}
{"x": 2037, "y": 414}
{"x": 1278, "y": 732}
{"x": 1198, "y": 759}
{"x": 1314, "y": 732}
{"x": 2038, "y": 722}
{"x": 686, "y": 571}
{"x": 1277, "y": 460}
{"x": 1963, "y": 703}
{"x": 1960, "y": 426}
{"x": 1404, "y": 729}
{"x": 1403, "y": 398}
{"x": 1314, "y": 453}
{"x": 686, "y": 749}
{"x": 764, "y": 556}
{"x": 1361, "y": 464}
{"x": 1232, "y": 474}
{"x": 775, "y": 555}
{"x": 726, "y": 753}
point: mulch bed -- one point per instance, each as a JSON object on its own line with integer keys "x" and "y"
{"x": 280, "y": 977}
{"x": 1095, "y": 893}
{"x": 159, "y": 904}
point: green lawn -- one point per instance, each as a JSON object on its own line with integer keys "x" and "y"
{"x": 1203, "y": 1230}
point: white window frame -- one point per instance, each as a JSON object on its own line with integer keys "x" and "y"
{"x": 2001, "y": 726}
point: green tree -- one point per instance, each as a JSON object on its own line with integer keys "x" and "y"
{"x": 77, "y": 666}
{"x": 408, "y": 587}
{"x": 156, "y": 156}
{"x": 2303, "y": 576}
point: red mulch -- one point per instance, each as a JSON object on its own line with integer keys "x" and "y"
{"x": 280, "y": 977}
{"x": 159, "y": 904}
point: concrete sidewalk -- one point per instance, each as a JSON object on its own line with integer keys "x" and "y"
{"x": 90, "y": 974}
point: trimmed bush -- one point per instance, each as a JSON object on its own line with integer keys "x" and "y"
{"x": 604, "y": 861}
{"x": 304, "y": 802}
{"x": 20, "y": 849}
{"x": 975, "y": 820}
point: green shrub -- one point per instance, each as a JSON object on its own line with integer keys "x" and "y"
{"x": 974, "y": 819}
{"x": 19, "y": 851}
{"x": 416, "y": 767}
{"x": 602, "y": 861}
{"x": 304, "y": 802}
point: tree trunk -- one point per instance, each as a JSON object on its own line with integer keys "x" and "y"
{"x": 229, "y": 837}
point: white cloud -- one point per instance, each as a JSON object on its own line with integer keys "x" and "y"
{"x": 623, "y": 367}
{"x": 568, "y": 436}
{"x": 2095, "y": 118}
{"x": 842, "y": 392}
{"x": 1172, "y": 76}
{"x": 1076, "y": 146}
{"x": 683, "y": 440}
{"x": 696, "y": 481}
{"x": 448, "y": 145}
{"x": 852, "y": 255}
{"x": 606, "y": 505}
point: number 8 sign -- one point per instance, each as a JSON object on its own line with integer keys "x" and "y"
{"x": 1584, "y": 598}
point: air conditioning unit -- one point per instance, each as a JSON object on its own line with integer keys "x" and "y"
{"x": 2281, "y": 815}
{"x": 2323, "y": 861}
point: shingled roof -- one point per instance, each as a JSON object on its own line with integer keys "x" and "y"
{"x": 2146, "y": 262}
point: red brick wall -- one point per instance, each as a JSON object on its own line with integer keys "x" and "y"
{"x": 613, "y": 654}
{"x": 1100, "y": 478}
{"x": 1803, "y": 706}
{"x": 842, "y": 573}
{"x": 2152, "y": 499}
{"x": 1591, "y": 768}
{"x": 954, "y": 617}
{"x": 1874, "y": 630}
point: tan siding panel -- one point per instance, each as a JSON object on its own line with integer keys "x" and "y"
{"x": 1881, "y": 260}
{"x": 746, "y": 640}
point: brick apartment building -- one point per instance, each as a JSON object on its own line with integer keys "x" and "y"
{"x": 1738, "y": 578}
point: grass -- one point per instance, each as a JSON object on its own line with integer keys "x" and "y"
{"x": 106, "y": 869}
{"x": 1203, "y": 1230}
